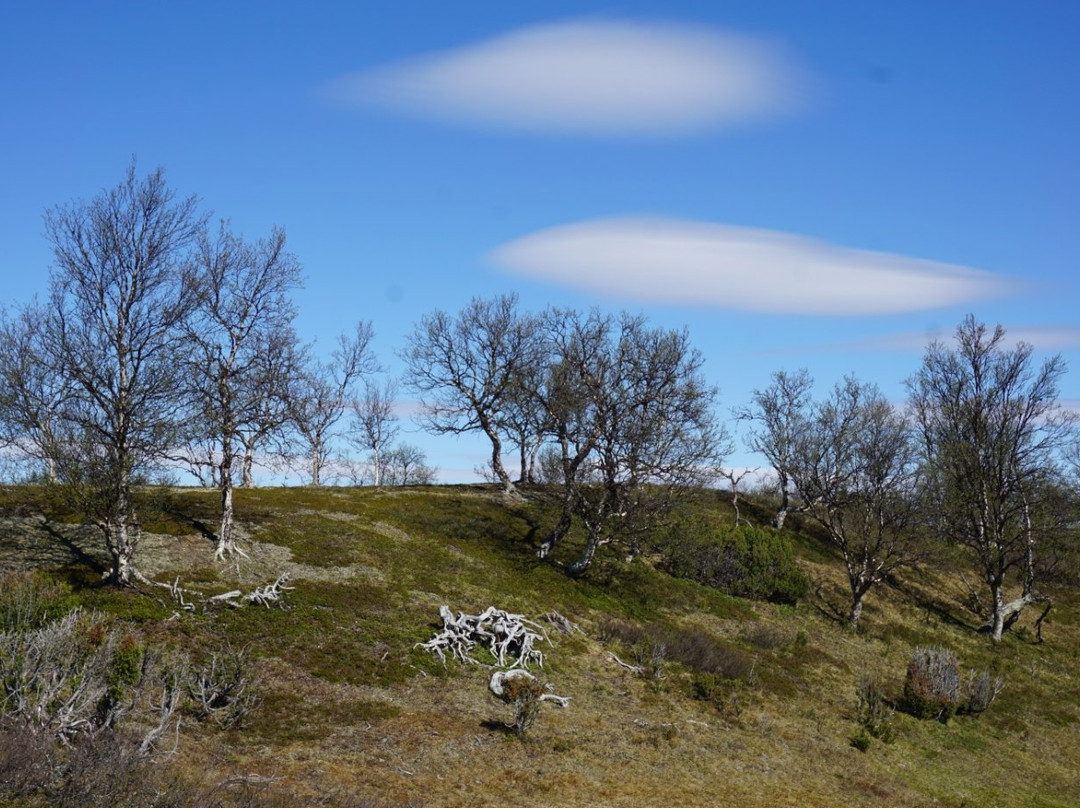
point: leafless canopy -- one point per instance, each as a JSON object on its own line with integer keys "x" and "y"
{"x": 465, "y": 368}
{"x": 116, "y": 301}
{"x": 241, "y": 347}
{"x": 854, "y": 465}
{"x": 991, "y": 429}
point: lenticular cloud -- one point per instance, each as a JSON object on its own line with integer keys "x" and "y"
{"x": 675, "y": 261}
{"x": 593, "y": 78}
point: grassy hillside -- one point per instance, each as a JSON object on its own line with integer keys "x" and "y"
{"x": 748, "y": 703}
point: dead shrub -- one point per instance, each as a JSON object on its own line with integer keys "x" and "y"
{"x": 980, "y": 691}
{"x": 524, "y": 694}
{"x": 767, "y": 636}
{"x": 932, "y": 684}
{"x": 223, "y": 690}
{"x": 696, "y": 649}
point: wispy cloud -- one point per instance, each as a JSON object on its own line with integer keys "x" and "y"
{"x": 678, "y": 261}
{"x": 602, "y": 78}
{"x": 1040, "y": 337}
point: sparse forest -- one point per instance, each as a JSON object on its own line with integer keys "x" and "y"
{"x": 905, "y": 579}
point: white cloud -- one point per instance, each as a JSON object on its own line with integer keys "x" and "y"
{"x": 687, "y": 262}
{"x": 592, "y": 77}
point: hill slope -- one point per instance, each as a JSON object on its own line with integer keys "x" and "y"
{"x": 741, "y": 702}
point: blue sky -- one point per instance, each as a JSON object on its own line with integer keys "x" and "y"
{"x": 821, "y": 185}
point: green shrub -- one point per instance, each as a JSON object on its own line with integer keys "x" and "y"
{"x": 746, "y": 561}
{"x": 932, "y": 684}
{"x": 874, "y": 714}
{"x": 29, "y": 600}
{"x": 860, "y": 740}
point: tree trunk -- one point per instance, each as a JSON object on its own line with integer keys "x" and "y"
{"x": 557, "y": 532}
{"x": 497, "y": 467}
{"x": 50, "y": 469}
{"x": 997, "y": 620}
{"x": 316, "y": 465}
{"x": 523, "y": 477}
{"x": 378, "y": 465}
{"x": 785, "y": 504}
{"x": 496, "y": 456}
{"x": 856, "y": 609}
{"x": 226, "y": 545}
{"x": 579, "y": 567}
{"x": 247, "y": 480}
{"x": 124, "y": 531}
{"x": 1009, "y": 613}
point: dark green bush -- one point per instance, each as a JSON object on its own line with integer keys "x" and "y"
{"x": 860, "y": 740}
{"x": 747, "y": 562}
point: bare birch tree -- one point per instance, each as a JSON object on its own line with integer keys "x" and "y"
{"x": 33, "y": 392}
{"x": 322, "y": 393}
{"x": 465, "y": 367}
{"x": 778, "y": 415}
{"x": 854, "y": 465}
{"x": 635, "y": 426}
{"x": 375, "y": 425}
{"x": 116, "y": 303}
{"x": 407, "y": 465}
{"x": 240, "y": 341}
{"x": 991, "y": 427}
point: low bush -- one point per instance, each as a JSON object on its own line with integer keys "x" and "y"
{"x": 747, "y": 562}
{"x": 523, "y": 693}
{"x": 861, "y": 741}
{"x": 932, "y": 684}
{"x": 874, "y": 713}
{"x": 980, "y": 691}
{"x": 28, "y": 600}
{"x": 696, "y": 649}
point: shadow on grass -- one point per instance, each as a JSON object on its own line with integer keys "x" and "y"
{"x": 933, "y": 606}
{"x": 79, "y": 556}
{"x": 491, "y": 725}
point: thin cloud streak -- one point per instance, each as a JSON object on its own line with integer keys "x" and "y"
{"x": 1040, "y": 337}
{"x": 599, "y": 78}
{"x": 697, "y": 263}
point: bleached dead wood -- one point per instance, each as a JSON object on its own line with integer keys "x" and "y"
{"x": 632, "y": 668}
{"x": 510, "y": 638}
{"x": 561, "y": 623}
{"x": 236, "y": 598}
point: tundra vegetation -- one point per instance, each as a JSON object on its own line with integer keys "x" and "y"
{"x": 874, "y": 628}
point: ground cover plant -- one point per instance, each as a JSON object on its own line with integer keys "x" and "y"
{"x": 680, "y": 693}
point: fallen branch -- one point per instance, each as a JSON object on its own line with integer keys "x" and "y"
{"x": 632, "y": 668}
{"x": 235, "y": 599}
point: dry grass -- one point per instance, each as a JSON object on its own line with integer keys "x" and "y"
{"x": 351, "y": 706}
